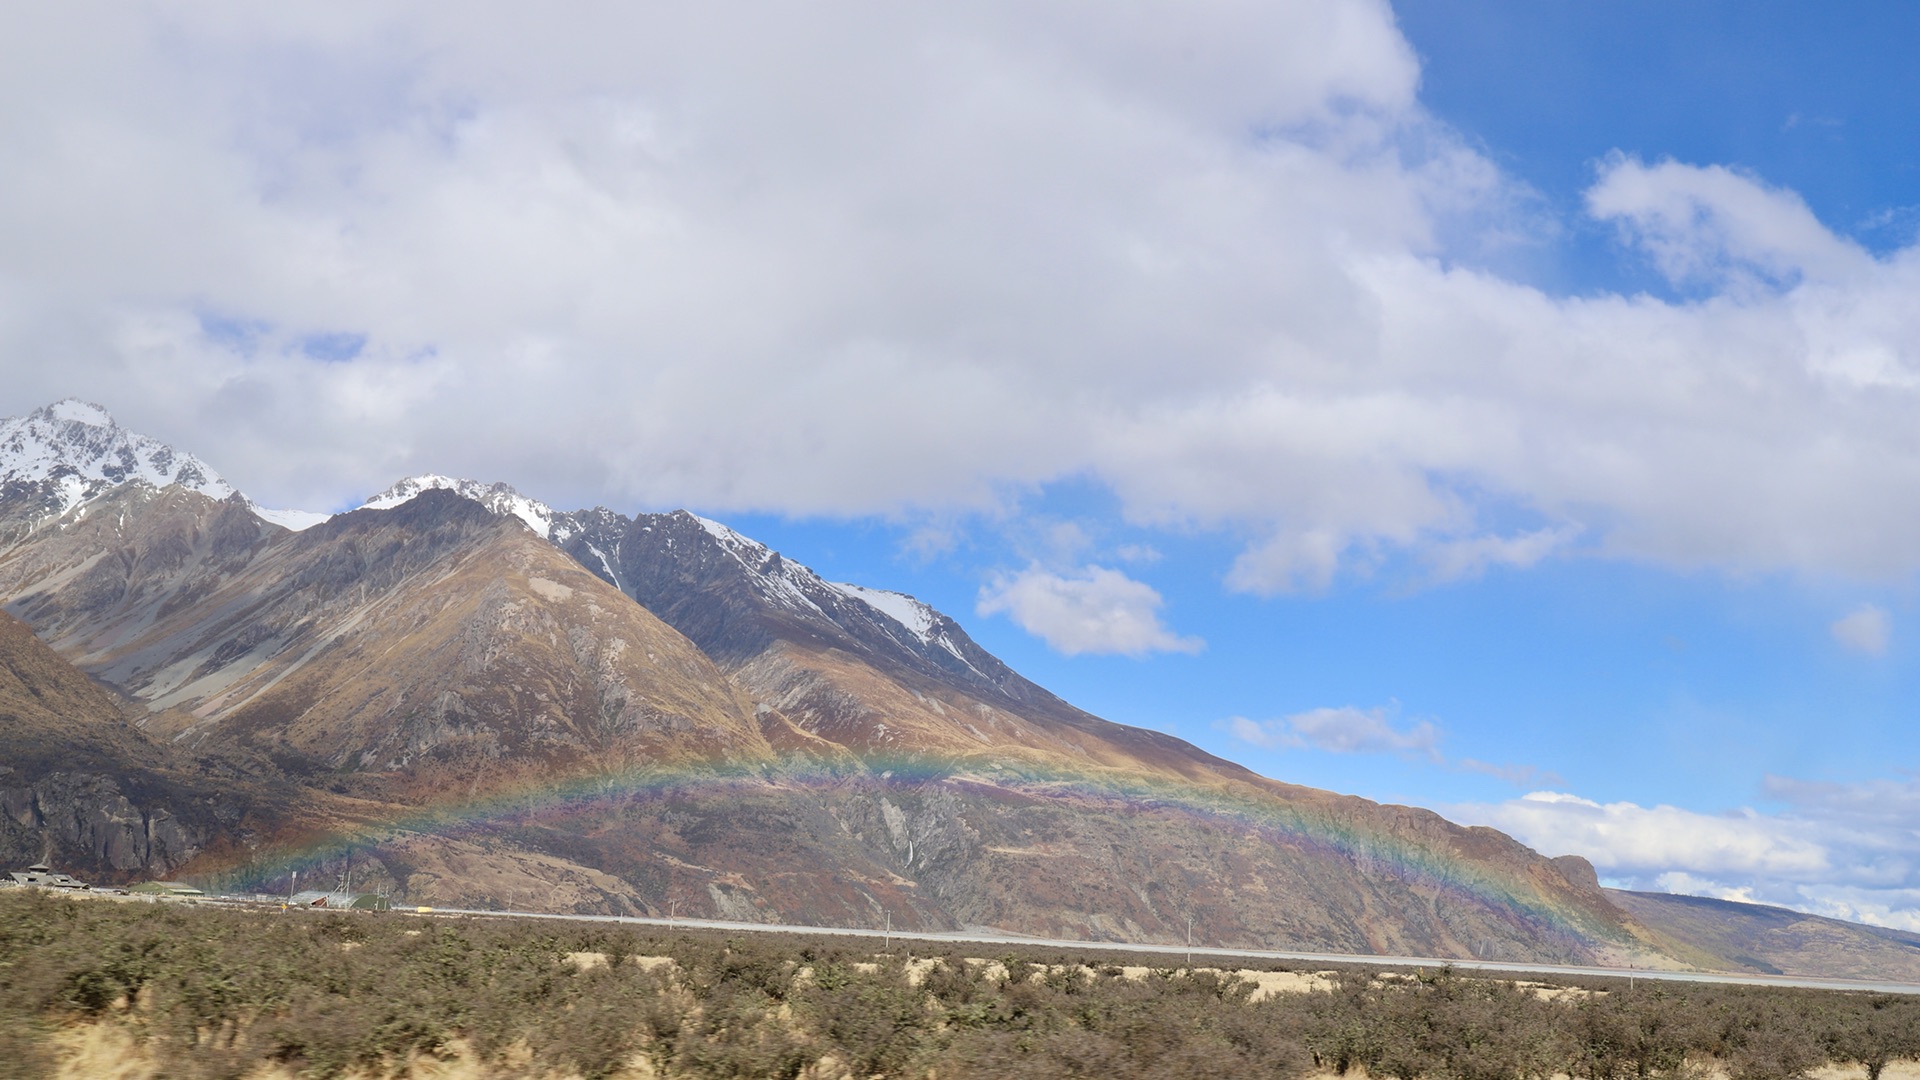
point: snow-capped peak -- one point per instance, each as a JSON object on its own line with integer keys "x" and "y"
{"x": 291, "y": 520}
{"x": 75, "y": 449}
{"x": 499, "y": 498}
{"x": 76, "y": 452}
{"x": 787, "y": 582}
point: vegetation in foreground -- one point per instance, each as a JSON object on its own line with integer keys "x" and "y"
{"x": 222, "y": 993}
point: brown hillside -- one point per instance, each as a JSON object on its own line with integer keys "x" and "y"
{"x": 421, "y": 645}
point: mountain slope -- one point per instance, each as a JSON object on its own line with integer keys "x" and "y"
{"x": 1777, "y": 941}
{"x": 1013, "y": 808}
{"x": 380, "y": 642}
{"x": 874, "y": 671}
{"x": 82, "y": 786}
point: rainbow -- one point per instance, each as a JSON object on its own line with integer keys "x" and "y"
{"x": 1309, "y": 826}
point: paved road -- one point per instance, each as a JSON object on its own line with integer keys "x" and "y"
{"x": 1199, "y": 952}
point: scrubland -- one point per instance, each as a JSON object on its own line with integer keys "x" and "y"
{"x": 92, "y": 989}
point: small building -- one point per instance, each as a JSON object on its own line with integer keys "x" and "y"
{"x": 42, "y": 876}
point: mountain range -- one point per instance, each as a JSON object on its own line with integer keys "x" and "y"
{"x": 464, "y": 697}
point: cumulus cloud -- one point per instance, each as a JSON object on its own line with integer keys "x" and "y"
{"x": 1841, "y": 850}
{"x": 1712, "y": 224}
{"x": 1865, "y": 629}
{"x": 1344, "y": 730}
{"x": 1213, "y": 258}
{"x": 1630, "y": 838}
{"x": 1090, "y": 610}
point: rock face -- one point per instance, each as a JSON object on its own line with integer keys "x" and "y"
{"x": 81, "y": 786}
{"x": 86, "y": 822}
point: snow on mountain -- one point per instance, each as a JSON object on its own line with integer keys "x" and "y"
{"x": 499, "y": 498}
{"x": 901, "y": 608}
{"x": 787, "y": 582}
{"x": 920, "y": 619}
{"x": 291, "y": 520}
{"x": 801, "y": 589}
{"x": 75, "y": 448}
{"x": 73, "y": 451}
{"x": 595, "y": 538}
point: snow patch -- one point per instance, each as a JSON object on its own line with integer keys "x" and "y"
{"x": 75, "y": 411}
{"x": 788, "y": 583}
{"x": 729, "y": 539}
{"x": 796, "y": 587}
{"x": 294, "y": 520}
{"x": 918, "y": 618}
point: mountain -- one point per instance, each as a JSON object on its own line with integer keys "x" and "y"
{"x": 802, "y": 643}
{"x": 476, "y": 699}
{"x": 1777, "y": 941}
{"x": 391, "y": 644}
{"x": 1024, "y": 811}
{"x": 405, "y": 667}
{"x": 71, "y": 452}
{"x": 498, "y": 498}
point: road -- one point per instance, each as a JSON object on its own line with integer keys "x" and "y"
{"x": 1202, "y": 952}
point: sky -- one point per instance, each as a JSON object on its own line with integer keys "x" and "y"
{"x": 1500, "y": 406}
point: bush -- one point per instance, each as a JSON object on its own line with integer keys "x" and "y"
{"x": 218, "y": 993}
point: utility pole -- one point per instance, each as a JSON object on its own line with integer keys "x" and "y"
{"x": 673, "y": 909}
{"x": 1189, "y": 941}
{"x": 889, "y": 938}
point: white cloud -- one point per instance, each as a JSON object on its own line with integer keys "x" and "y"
{"x": 1627, "y": 838}
{"x": 1471, "y": 556}
{"x": 1865, "y": 629}
{"x": 1685, "y": 884}
{"x": 1211, "y": 257}
{"x": 1091, "y": 610}
{"x": 1714, "y": 223}
{"x": 1345, "y": 730}
{"x": 1842, "y": 850}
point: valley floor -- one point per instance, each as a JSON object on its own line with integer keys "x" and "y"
{"x": 150, "y": 990}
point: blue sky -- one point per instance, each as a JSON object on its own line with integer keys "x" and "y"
{"x": 1806, "y": 98}
{"x": 1500, "y": 407}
